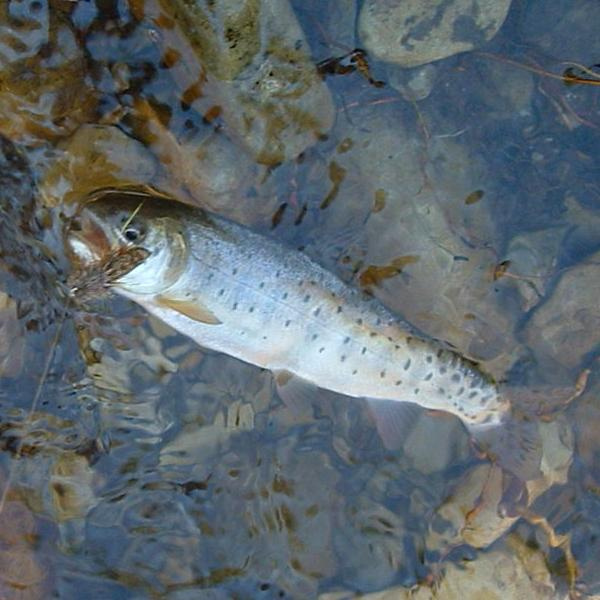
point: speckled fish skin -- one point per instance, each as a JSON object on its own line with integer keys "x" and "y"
{"x": 274, "y": 307}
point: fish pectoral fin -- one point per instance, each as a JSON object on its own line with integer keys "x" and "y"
{"x": 394, "y": 420}
{"x": 192, "y": 308}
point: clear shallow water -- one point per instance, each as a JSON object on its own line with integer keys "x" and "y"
{"x": 152, "y": 468}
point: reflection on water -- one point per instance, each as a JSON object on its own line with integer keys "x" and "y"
{"x": 463, "y": 193}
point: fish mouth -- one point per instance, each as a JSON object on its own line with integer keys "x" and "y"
{"x": 91, "y": 248}
{"x": 99, "y": 259}
{"x": 89, "y": 239}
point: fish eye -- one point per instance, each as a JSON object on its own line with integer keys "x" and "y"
{"x": 132, "y": 229}
{"x": 132, "y": 234}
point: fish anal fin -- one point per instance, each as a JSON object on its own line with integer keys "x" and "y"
{"x": 192, "y": 308}
{"x": 282, "y": 377}
{"x": 293, "y": 390}
{"x": 394, "y": 420}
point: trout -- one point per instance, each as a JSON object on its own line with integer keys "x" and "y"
{"x": 249, "y": 296}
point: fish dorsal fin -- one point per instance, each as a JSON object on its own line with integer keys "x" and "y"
{"x": 394, "y": 421}
{"x": 191, "y": 307}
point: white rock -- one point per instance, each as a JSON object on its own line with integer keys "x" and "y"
{"x": 416, "y": 32}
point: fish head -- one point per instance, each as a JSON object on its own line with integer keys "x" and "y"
{"x": 134, "y": 236}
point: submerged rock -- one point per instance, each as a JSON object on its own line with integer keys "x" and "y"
{"x": 479, "y": 512}
{"x": 251, "y": 61}
{"x": 22, "y": 575}
{"x": 514, "y": 571}
{"x": 428, "y": 231}
{"x": 565, "y": 328}
{"x": 413, "y": 85}
{"x": 413, "y": 32}
{"x": 44, "y": 92}
{"x": 96, "y": 156}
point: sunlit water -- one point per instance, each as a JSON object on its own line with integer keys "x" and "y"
{"x": 137, "y": 465}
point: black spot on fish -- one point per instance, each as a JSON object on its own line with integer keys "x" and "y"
{"x": 373, "y": 334}
{"x": 264, "y": 337}
{"x": 315, "y": 336}
{"x": 359, "y": 321}
{"x": 407, "y": 365}
{"x": 343, "y": 358}
{"x": 261, "y": 285}
{"x": 234, "y": 271}
{"x": 441, "y": 391}
{"x": 378, "y": 321}
{"x": 346, "y": 340}
{"x": 300, "y": 283}
{"x": 390, "y": 338}
{"x": 235, "y": 305}
{"x": 429, "y": 358}
{"x": 364, "y": 350}
{"x": 307, "y": 298}
{"x": 339, "y": 310}
{"x": 416, "y": 391}
{"x": 408, "y": 340}
{"x": 461, "y": 391}
{"x": 354, "y": 372}
{"x": 221, "y": 292}
{"x": 277, "y": 273}
{"x": 321, "y": 349}
{"x": 428, "y": 376}
{"x": 210, "y": 276}
{"x": 285, "y": 295}
{"x": 396, "y": 347}
{"x": 443, "y": 370}
{"x": 382, "y": 374}
{"x": 398, "y": 382}
{"x": 251, "y": 309}
{"x": 316, "y": 312}
{"x": 456, "y": 377}
{"x": 473, "y": 394}
{"x": 439, "y": 353}
{"x": 287, "y": 323}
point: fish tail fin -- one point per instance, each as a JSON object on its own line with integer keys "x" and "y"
{"x": 515, "y": 445}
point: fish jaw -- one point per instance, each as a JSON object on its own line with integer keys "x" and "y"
{"x": 95, "y": 239}
{"x": 89, "y": 239}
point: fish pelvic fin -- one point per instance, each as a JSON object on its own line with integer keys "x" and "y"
{"x": 192, "y": 308}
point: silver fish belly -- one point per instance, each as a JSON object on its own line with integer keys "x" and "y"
{"x": 276, "y": 308}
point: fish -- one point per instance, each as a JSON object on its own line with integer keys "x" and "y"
{"x": 245, "y": 294}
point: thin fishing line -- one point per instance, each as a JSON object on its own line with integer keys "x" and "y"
{"x": 34, "y": 404}
{"x": 132, "y": 216}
